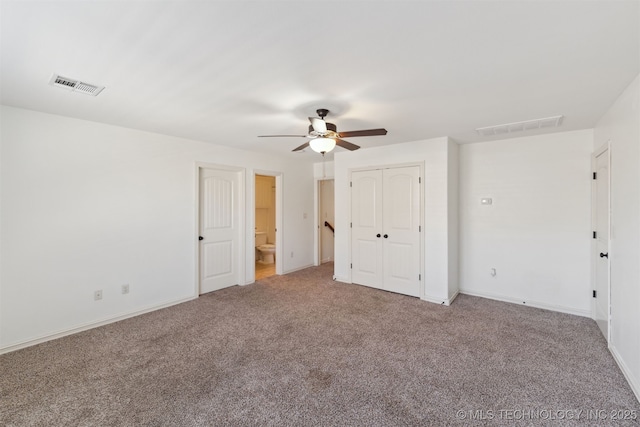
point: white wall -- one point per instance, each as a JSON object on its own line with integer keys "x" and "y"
{"x": 89, "y": 206}
{"x": 453, "y": 220}
{"x": 437, "y": 194}
{"x": 536, "y": 234}
{"x": 621, "y": 126}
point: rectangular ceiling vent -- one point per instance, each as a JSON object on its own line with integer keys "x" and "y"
{"x": 548, "y": 122}
{"x": 75, "y": 85}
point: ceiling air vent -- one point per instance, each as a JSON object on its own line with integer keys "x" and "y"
{"x": 547, "y": 122}
{"x": 75, "y": 85}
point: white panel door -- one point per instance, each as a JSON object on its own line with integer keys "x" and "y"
{"x": 602, "y": 242}
{"x": 366, "y": 229}
{"x": 219, "y": 230}
{"x": 385, "y": 235}
{"x": 401, "y": 238}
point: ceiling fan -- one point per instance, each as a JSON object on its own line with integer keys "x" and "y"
{"x": 324, "y": 136}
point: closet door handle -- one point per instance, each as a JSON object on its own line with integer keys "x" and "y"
{"x": 604, "y": 255}
{"x": 200, "y": 238}
{"x": 378, "y": 235}
{"x": 385, "y": 236}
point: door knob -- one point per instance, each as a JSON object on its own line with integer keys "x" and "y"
{"x": 604, "y": 255}
{"x": 378, "y": 235}
{"x": 385, "y": 236}
{"x": 200, "y": 238}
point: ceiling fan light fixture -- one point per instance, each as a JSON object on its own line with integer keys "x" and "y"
{"x": 322, "y": 145}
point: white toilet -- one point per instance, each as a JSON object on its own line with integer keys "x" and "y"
{"x": 266, "y": 251}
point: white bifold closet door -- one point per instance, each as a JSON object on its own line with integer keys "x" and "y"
{"x": 386, "y": 226}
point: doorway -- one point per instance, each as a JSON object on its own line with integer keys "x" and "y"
{"x": 265, "y": 226}
{"x": 326, "y": 215}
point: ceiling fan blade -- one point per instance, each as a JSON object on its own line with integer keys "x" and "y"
{"x": 302, "y": 147}
{"x": 318, "y": 124}
{"x": 368, "y": 132}
{"x": 346, "y": 144}
{"x": 280, "y": 136}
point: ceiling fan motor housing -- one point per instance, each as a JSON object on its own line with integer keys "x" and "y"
{"x": 330, "y": 127}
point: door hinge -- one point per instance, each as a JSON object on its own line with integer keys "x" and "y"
{"x": 419, "y": 180}
{"x": 594, "y": 294}
{"x": 594, "y": 234}
{"x": 350, "y": 183}
{"x": 419, "y": 276}
{"x": 594, "y": 175}
{"x": 350, "y": 225}
{"x": 419, "y": 228}
{"x": 351, "y": 265}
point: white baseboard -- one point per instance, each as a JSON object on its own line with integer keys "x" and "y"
{"x": 536, "y": 304}
{"x": 90, "y": 325}
{"x": 633, "y": 382}
{"x": 453, "y": 297}
{"x": 440, "y": 301}
{"x": 298, "y": 268}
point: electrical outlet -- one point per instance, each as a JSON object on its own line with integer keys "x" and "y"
{"x": 125, "y": 288}
{"x": 97, "y": 295}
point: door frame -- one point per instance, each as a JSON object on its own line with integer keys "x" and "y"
{"x": 594, "y": 246}
{"x": 241, "y": 251}
{"x": 251, "y": 212}
{"x": 421, "y": 291}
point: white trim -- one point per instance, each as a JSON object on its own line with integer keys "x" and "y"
{"x": 446, "y": 302}
{"x": 453, "y": 297}
{"x": 633, "y": 382}
{"x": 342, "y": 279}
{"x": 535, "y": 304}
{"x": 92, "y": 325}
{"x": 299, "y": 268}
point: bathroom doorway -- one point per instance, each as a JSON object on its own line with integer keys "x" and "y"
{"x": 265, "y": 226}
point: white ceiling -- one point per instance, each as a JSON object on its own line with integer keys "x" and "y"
{"x": 225, "y": 72}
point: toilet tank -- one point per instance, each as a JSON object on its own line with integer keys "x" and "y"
{"x": 261, "y": 238}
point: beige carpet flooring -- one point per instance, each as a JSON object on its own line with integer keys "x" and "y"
{"x": 302, "y": 350}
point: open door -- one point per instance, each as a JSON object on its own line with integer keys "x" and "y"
{"x": 220, "y": 229}
{"x": 601, "y": 258}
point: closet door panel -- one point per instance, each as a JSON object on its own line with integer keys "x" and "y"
{"x": 401, "y": 246}
{"x": 366, "y": 225}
